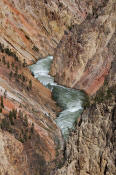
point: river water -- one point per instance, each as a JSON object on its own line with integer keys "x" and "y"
{"x": 70, "y": 100}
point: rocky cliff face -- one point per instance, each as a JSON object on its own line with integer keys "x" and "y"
{"x": 30, "y": 141}
{"x": 91, "y": 147}
{"x": 78, "y": 34}
{"x": 82, "y": 58}
{"x": 34, "y": 28}
{"x": 30, "y": 30}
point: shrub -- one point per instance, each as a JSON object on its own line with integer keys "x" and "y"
{"x": 32, "y": 128}
{"x": 8, "y": 65}
{"x": 11, "y": 74}
{"x": 25, "y": 122}
{"x": 35, "y": 48}
{"x": 5, "y": 124}
{"x": 0, "y": 110}
{"x": 30, "y": 84}
{"x": 4, "y": 60}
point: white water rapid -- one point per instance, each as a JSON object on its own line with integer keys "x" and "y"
{"x": 70, "y": 100}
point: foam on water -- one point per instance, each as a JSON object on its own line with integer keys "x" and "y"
{"x": 70, "y": 100}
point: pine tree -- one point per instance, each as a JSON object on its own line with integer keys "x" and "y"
{"x": 12, "y": 65}
{"x": 0, "y": 110}
{"x": 30, "y": 84}
{"x": 25, "y": 121}
{"x": 2, "y": 103}
{"x": 11, "y": 118}
{"x": 11, "y": 74}
{"x": 16, "y": 69}
{"x": 32, "y": 128}
{"x": 3, "y": 60}
{"x": 24, "y": 63}
{"x": 8, "y": 65}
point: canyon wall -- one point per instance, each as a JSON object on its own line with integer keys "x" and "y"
{"x": 91, "y": 148}
{"x": 78, "y": 34}
{"x": 30, "y": 30}
{"x": 30, "y": 141}
{"x": 33, "y": 29}
{"x": 82, "y": 59}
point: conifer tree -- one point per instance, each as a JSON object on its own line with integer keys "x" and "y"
{"x": 2, "y": 103}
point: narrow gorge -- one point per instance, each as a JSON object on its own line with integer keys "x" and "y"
{"x": 71, "y": 101}
{"x": 57, "y": 87}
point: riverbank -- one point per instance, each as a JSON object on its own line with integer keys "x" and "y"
{"x": 70, "y": 100}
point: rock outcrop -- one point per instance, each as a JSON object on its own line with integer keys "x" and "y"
{"x": 91, "y": 148}
{"x": 82, "y": 59}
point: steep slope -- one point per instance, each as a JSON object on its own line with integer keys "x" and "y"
{"x": 30, "y": 30}
{"x": 78, "y": 34}
{"x": 82, "y": 59}
{"x": 34, "y": 28}
{"x": 30, "y": 141}
{"x": 91, "y": 149}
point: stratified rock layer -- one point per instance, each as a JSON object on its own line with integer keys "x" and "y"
{"x": 34, "y": 28}
{"x": 78, "y": 34}
{"x": 82, "y": 59}
{"x": 30, "y": 141}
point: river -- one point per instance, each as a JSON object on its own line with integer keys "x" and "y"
{"x": 70, "y": 100}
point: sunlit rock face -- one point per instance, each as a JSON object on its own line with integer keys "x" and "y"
{"x": 34, "y": 28}
{"x": 23, "y": 151}
{"x": 82, "y": 58}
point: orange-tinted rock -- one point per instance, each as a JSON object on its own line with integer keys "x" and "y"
{"x": 42, "y": 150}
{"x": 81, "y": 59}
{"x": 33, "y": 29}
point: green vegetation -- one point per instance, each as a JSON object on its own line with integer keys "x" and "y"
{"x": 25, "y": 121}
{"x": 11, "y": 73}
{"x": 8, "y": 52}
{"x": 30, "y": 84}
{"x": 2, "y": 103}
{"x": 35, "y": 49}
{"x": 24, "y": 63}
{"x": 103, "y": 95}
{"x": 17, "y": 124}
{"x": 5, "y": 124}
{"x": 4, "y": 60}
{"x": 14, "y": 69}
{"x": 0, "y": 110}
{"x": 86, "y": 103}
{"x": 8, "y": 65}
{"x": 32, "y": 128}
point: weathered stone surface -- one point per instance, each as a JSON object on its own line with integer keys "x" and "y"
{"x": 34, "y": 28}
{"x": 23, "y": 151}
{"x": 82, "y": 59}
{"x": 91, "y": 148}
{"x": 80, "y": 35}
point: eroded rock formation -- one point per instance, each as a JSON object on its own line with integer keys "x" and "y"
{"x": 78, "y": 34}
{"x": 30, "y": 141}
{"x": 91, "y": 147}
{"x": 82, "y": 59}
{"x": 34, "y": 28}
